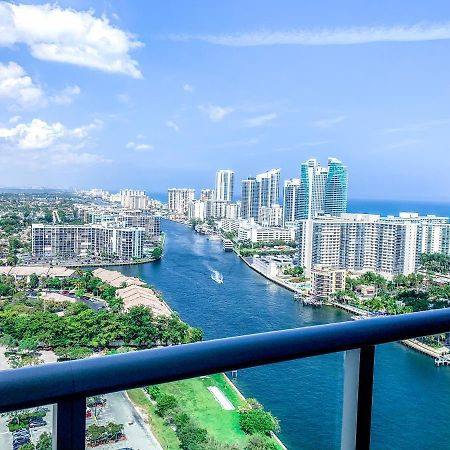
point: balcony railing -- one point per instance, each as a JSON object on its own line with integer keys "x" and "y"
{"x": 68, "y": 384}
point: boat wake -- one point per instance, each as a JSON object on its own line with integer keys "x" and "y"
{"x": 217, "y": 277}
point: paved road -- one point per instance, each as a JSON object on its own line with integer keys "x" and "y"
{"x": 118, "y": 409}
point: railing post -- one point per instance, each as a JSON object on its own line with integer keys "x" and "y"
{"x": 69, "y": 424}
{"x": 357, "y": 402}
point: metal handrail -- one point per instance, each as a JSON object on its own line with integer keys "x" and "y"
{"x": 53, "y": 383}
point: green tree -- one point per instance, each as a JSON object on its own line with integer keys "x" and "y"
{"x": 257, "y": 421}
{"x": 44, "y": 442}
{"x": 34, "y": 281}
{"x": 165, "y": 403}
{"x": 157, "y": 252}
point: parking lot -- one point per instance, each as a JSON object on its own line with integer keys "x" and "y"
{"x": 118, "y": 409}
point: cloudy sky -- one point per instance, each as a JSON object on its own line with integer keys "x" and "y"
{"x": 155, "y": 94}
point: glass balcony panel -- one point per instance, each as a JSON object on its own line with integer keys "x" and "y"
{"x": 401, "y": 414}
{"x": 21, "y": 427}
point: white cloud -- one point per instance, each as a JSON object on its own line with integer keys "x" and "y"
{"x": 259, "y": 121}
{"x": 42, "y": 144}
{"x": 216, "y": 112}
{"x": 329, "y": 122}
{"x": 18, "y": 88}
{"x": 69, "y": 36}
{"x": 39, "y": 134}
{"x": 66, "y": 96}
{"x": 171, "y": 124}
{"x": 328, "y": 36}
{"x": 188, "y": 87}
{"x": 139, "y": 147}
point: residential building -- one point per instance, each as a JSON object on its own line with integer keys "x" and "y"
{"x": 335, "y": 201}
{"x": 224, "y": 185}
{"x": 269, "y": 188}
{"x": 207, "y": 194}
{"x": 133, "y": 199}
{"x": 68, "y": 241}
{"x": 179, "y": 198}
{"x": 325, "y": 282}
{"x": 365, "y": 242}
{"x": 249, "y": 199}
{"x": 260, "y": 191}
{"x": 271, "y": 216}
{"x": 290, "y": 199}
{"x": 322, "y": 190}
{"x": 197, "y": 210}
{"x": 250, "y": 231}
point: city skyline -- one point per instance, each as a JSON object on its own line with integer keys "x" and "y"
{"x": 170, "y": 96}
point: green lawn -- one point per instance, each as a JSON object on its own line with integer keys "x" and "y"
{"x": 200, "y": 404}
{"x": 195, "y": 400}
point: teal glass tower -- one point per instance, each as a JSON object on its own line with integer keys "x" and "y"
{"x": 335, "y": 201}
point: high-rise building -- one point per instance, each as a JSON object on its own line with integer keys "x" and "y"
{"x": 290, "y": 198}
{"x": 196, "y": 210}
{"x": 224, "y": 185}
{"x": 133, "y": 199}
{"x": 269, "y": 188}
{"x": 322, "y": 190}
{"x": 249, "y": 199}
{"x": 312, "y": 189}
{"x": 207, "y": 194}
{"x": 179, "y": 198}
{"x": 368, "y": 242}
{"x": 260, "y": 191}
{"x": 336, "y": 188}
{"x": 67, "y": 241}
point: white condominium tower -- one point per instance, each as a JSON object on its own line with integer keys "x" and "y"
{"x": 258, "y": 192}
{"x": 179, "y": 198}
{"x": 249, "y": 199}
{"x": 224, "y": 185}
{"x": 364, "y": 242}
{"x": 290, "y": 199}
{"x": 322, "y": 190}
{"x": 269, "y": 188}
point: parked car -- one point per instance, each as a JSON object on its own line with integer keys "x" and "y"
{"x": 35, "y": 422}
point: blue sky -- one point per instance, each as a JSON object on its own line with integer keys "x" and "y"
{"x": 156, "y": 94}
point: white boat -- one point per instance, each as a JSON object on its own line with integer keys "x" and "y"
{"x": 217, "y": 277}
{"x": 214, "y": 237}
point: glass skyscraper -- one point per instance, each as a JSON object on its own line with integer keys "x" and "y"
{"x": 322, "y": 190}
{"x": 336, "y": 188}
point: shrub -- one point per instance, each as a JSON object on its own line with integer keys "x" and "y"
{"x": 258, "y": 442}
{"x": 257, "y": 421}
{"x": 165, "y": 403}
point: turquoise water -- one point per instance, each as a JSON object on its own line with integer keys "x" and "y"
{"x": 411, "y": 398}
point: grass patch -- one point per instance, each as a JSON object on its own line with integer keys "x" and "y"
{"x": 165, "y": 435}
{"x": 197, "y": 402}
